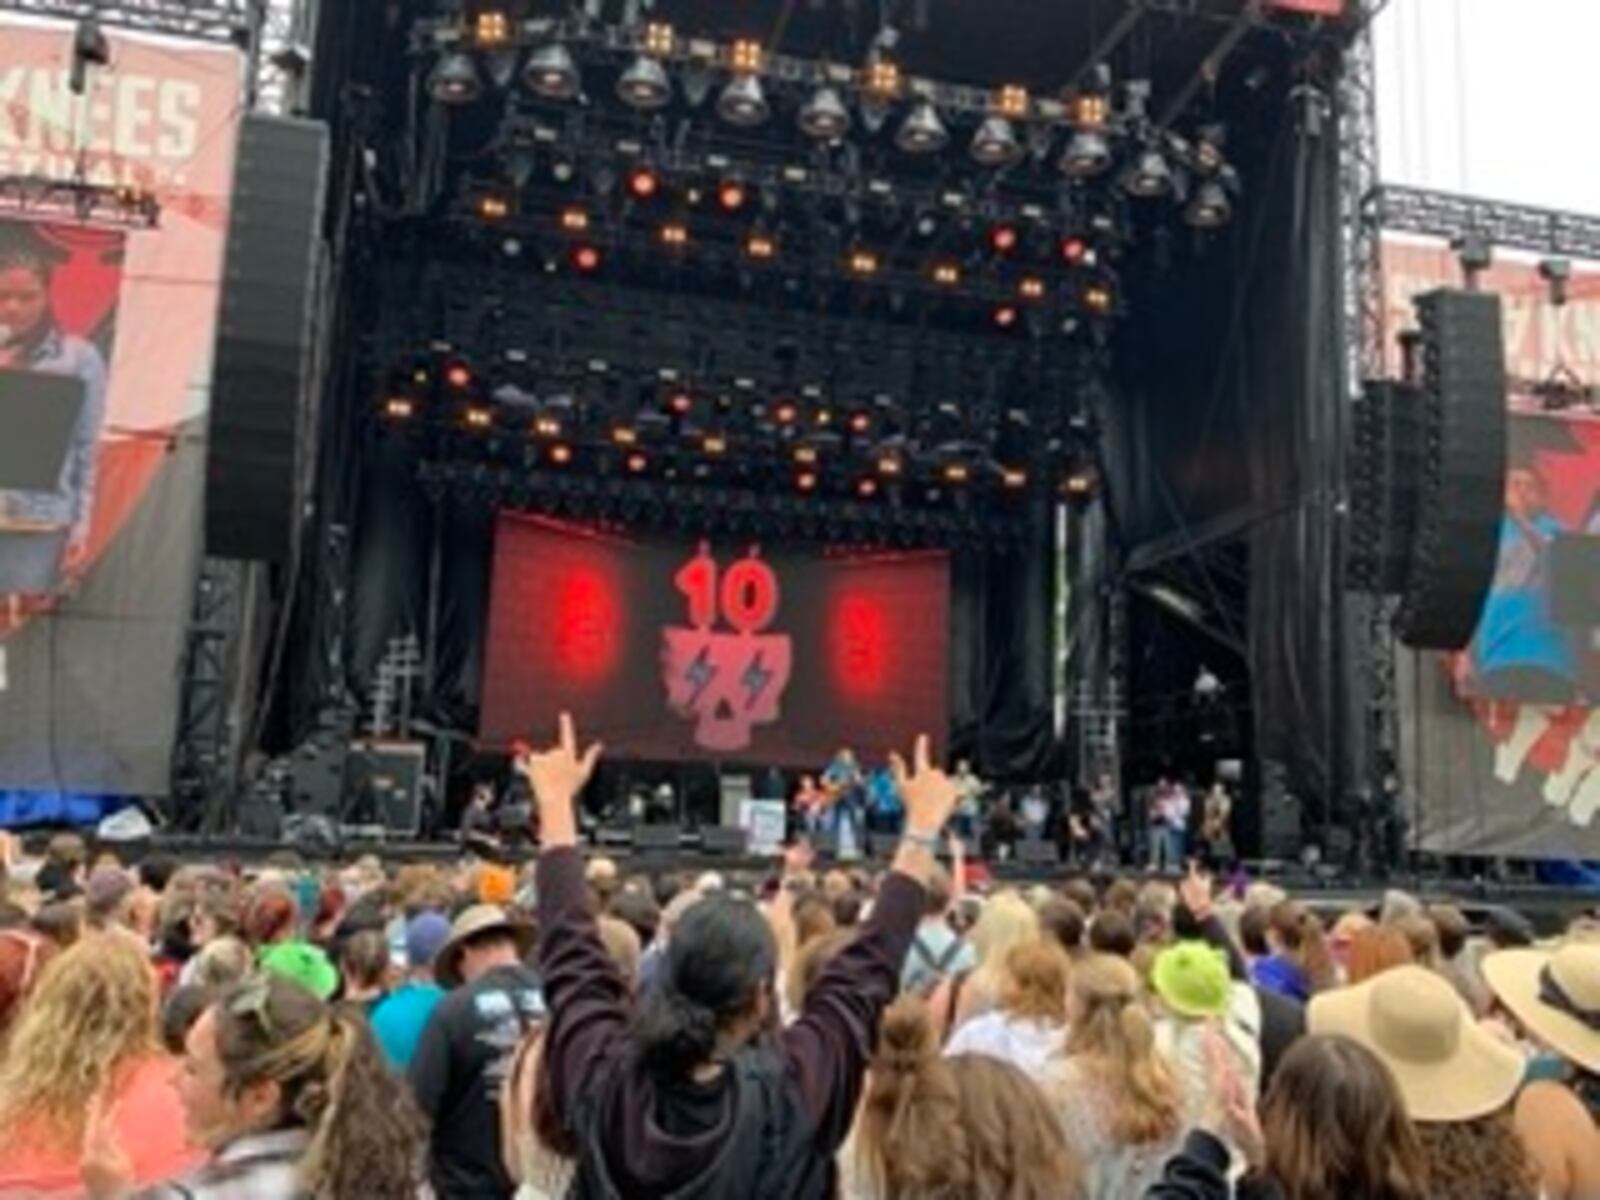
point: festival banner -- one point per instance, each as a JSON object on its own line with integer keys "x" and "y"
{"x": 1501, "y": 744}
{"x": 106, "y": 336}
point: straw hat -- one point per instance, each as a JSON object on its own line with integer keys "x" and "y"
{"x": 1449, "y": 1068}
{"x": 473, "y": 922}
{"x": 1555, "y": 994}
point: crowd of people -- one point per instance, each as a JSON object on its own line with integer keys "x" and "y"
{"x": 563, "y": 1028}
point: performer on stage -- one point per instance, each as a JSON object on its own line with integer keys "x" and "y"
{"x": 1216, "y": 828}
{"x": 1169, "y": 824}
{"x": 1105, "y": 806}
{"x": 842, "y": 783}
{"x": 969, "y": 791}
{"x": 479, "y": 831}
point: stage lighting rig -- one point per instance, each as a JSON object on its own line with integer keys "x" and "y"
{"x": 454, "y": 80}
{"x": 551, "y": 72}
{"x": 922, "y": 132}
{"x": 995, "y": 143}
{"x": 823, "y": 116}
{"x": 644, "y": 84}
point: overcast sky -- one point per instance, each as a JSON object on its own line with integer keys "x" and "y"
{"x": 1491, "y": 97}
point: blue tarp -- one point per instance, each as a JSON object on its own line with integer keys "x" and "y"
{"x": 19, "y": 810}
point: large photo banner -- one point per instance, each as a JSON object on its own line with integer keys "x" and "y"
{"x": 1501, "y": 743}
{"x": 106, "y": 334}
{"x": 678, "y": 651}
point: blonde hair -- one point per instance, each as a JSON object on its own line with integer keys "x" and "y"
{"x": 1034, "y": 983}
{"x": 1114, "y": 1039}
{"x": 92, "y": 1011}
{"x": 1006, "y": 921}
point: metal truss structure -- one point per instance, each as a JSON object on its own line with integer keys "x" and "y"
{"x": 222, "y": 21}
{"x": 1451, "y": 216}
{"x": 280, "y": 54}
{"x": 40, "y": 197}
{"x": 202, "y": 746}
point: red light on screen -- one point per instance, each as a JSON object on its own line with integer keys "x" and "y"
{"x": 587, "y": 626}
{"x": 859, "y": 633}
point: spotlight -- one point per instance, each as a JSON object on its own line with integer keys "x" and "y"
{"x": 731, "y": 195}
{"x": 863, "y": 262}
{"x": 759, "y": 245}
{"x": 1090, "y": 110}
{"x": 1014, "y": 478}
{"x": 883, "y": 79}
{"x": 625, "y": 435}
{"x": 492, "y": 206}
{"x": 675, "y": 235}
{"x": 560, "y": 454}
{"x": 574, "y": 220}
{"x": 419, "y": 375}
{"x": 1031, "y": 288}
{"x": 1003, "y": 239}
{"x": 922, "y": 132}
{"x": 1210, "y": 208}
{"x": 658, "y": 39}
{"x": 477, "y": 416}
{"x": 957, "y": 472}
{"x": 586, "y": 259}
{"x": 866, "y": 487}
{"x": 1005, "y": 316}
{"x": 745, "y": 57}
{"x": 806, "y": 481}
{"x": 399, "y": 408}
{"x": 805, "y": 455}
{"x": 889, "y": 465}
{"x": 493, "y": 28}
{"x": 1097, "y": 298}
{"x": 458, "y": 376}
{"x": 995, "y": 144}
{"x": 637, "y": 463}
{"x": 947, "y": 274}
{"x": 715, "y": 444}
{"x": 547, "y": 427}
{"x": 786, "y": 413}
{"x": 1079, "y": 485}
{"x": 860, "y": 423}
{"x": 551, "y": 73}
{"x": 1087, "y": 154}
{"x": 824, "y": 417}
{"x": 681, "y": 403}
{"x": 1150, "y": 177}
{"x": 743, "y": 103}
{"x": 454, "y": 80}
{"x": 644, "y": 84}
{"x": 1074, "y": 250}
{"x": 823, "y": 116}
{"x": 1012, "y": 101}
{"x": 643, "y": 183}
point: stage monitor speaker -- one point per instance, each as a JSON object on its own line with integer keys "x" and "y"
{"x": 317, "y": 775}
{"x": 657, "y": 838}
{"x": 724, "y": 840}
{"x": 1461, "y": 469}
{"x": 261, "y": 434}
{"x": 385, "y": 781}
{"x": 1385, "y": 461}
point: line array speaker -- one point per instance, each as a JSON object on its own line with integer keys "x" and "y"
{"x": 1385, "y": 462}
{"x": 259, "y": 444}
{"x": 1461, "y": 469}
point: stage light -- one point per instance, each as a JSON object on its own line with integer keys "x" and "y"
{"x": 659, "y": 39}
{"x": 1012, "y": 101}
{"x": 957, "y": 472}
{"x": 806, "y": 481}
{"x": 493, "y": 28}
{"x": 454, "y": 79}
{"x": 551, "y": 73}
{"x": 785, "y": 413}
{"x": 922, "y": 132}
{"x": 715, "y": 444}
{"x": 805, "y": 455}
{"x": 889, "y": 464}
{"x": 574, "y": 220}
{"x": 1074, "y": 250}
{"x": 860, "y": 423}
{"x": 1005, "y": 316}
{"x": 561, "y": 454}
{"x": 643, "y": 183}
{"x": 644, "y": 85}
{"x": 586, "y": 259}
{"x": 1150, "y": 177}
{"x": 1097, "y": 298}
{"x": 458, "y": 376}
{"x": 681, "y": 403}
{"x": 625, "y": 435}
{"x": 419, "y": 375}
{"x": 547, "y": 427}
{"x": 947, "y": 274}
{"x": 743, "y": 103}
{"x": 492, "y": 206}
{"x": 637, "y": 463}
{"x": 866, "y": 487}
{"x": 995, "y": 143}
{"x": 477, "y": 416}
{"x": 1087, "y": 154}
{"x": 1031, "y": 287}
{"x": 1014, "y": 478}
{"x": 1079, "y": 485}
{"x": 759, "y": 245}
{"x": 823, "y": 116}
{"x": 824, "y": 417}
{"x": 732, "y": 195}
{"x": 399, "y": 408}
{"x": 883, "y": 79}
{"x": 745, "y": 56}
{"x": 1209, "y": 208}
{"x": 1003, "y": 239}
{"x": 1090, "y": 110}
{"x": 863, "y": 262}
{"x": 675, "y": 235}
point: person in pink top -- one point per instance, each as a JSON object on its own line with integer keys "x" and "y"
{"x": 86, "y": 1040}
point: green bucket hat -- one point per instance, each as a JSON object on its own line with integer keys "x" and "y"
{"x": 302, "y": 963}
{"x": 1192, "y": 979}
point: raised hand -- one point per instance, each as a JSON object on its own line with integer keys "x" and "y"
{"x": 557, "y": 776}
{"x": 930, "y": 795}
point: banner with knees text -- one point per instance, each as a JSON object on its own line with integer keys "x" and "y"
{"x": 1501, "y": 743}
{"x": 107, "y": 327}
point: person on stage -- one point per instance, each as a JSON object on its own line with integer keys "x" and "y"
{"x": 842, "y": 782}
{"x": 885, "y": 809}
{"x": 1105, "y": 809}
{"x": 969, "y": 792}
{"x": 1216, "y": 828}
{"x": 1169, "y": 825}
{"x": 479, "y": 831}
{"x": 45, "y": 535}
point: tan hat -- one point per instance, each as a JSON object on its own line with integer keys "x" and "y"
{"x": 1449, "y": 1068}
{"x": 1556, "y": 994}
{"x": 474, "y": 921}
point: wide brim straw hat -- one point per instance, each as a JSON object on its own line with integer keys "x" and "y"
{"x": 1449, "y": 1068}
{"x": 473, "y": 922}
{"x": 1555, "y": 994}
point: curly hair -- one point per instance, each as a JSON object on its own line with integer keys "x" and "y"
{"x": 92, "y": 1012}
{"x": 367, "y": 1135}
{"x": 1484, "y": 1157}
{"x": 936, "y": 1128}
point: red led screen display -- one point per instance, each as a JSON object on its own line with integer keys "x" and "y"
{"x": 690, "y": 650}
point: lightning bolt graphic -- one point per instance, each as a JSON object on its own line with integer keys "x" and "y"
{"x": 700, "y": 673}
{"x": 756, "y": 677}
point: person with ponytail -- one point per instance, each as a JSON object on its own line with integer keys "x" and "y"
{"x": 1119, "y": 1101}
{"x": 936, "y": 1127}
{"x": 1301, "y": 963}
{"x": 293, "y": 1100}
{"x": 698, "y": 1094}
